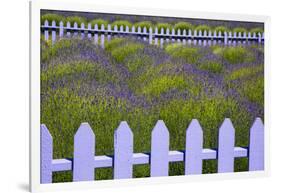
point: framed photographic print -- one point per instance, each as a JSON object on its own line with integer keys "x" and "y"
{"x": 131, "y": 96}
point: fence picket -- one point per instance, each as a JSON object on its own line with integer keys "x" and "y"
{"x": 133, "y": 31}
{"x": 89, "y": 31}
{"x": 249, "y": 38}
{"x": 184, "y": 37}
{"x": 144, "y": 32}
{"x": 156, "y": 38}
{"x": 256, "y": 146}
{"x": 220, "y": 36}
{"x": 173, "y": 34}
{"x": 123, "y": 151}
{"x": 82, "y": 30}
{"x": 109, "y": 32}
{"x": 61, "y": 30}
{"x": 46, "y": 151}
{"x": 179, "y": 34}
{"x": 225, "y": 38}
{"x": 159, "y": 160}
{"x": 200, "y": 38}
{"x": 53, "y": 32}
{"x": 68, "y": 26}
{"x": 84, "y": 154}
{"x": 189, "y": 37}
{"x": 244, "y": 38}
{"x": 214, "y": 37}
{"x": 194, "y": 37}
{"x": 102, "y": 36}
{"x": 193, "y": 148}
{"x": 46, "y": 31}
{"x": 234, "y": 43}
{"x": 150, "y": 35}
{"x": 259, "y": 40}
{"x": 209, "y": 38}
{"x": 75, "y": 27}
{"x": 168, "y": 35}
{"x": 205, "y": 38}
{"x": 96, "y": 35}
{"x": 161, "y": 39}
{"x": 139, "y": 32}
{"x": 226, "y": 147}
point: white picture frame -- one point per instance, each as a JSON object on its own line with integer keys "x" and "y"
{"x": 36, "y": 6}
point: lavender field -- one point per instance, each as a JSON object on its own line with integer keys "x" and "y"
{"x": 139, "y": 83}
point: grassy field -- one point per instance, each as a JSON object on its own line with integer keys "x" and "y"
{"x": 139, "y": 83}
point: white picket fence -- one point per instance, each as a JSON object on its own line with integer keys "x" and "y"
{"x": 84, "y": 161}
{"x": 153, "y": 36}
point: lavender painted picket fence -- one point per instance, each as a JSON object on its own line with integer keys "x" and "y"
{"x": 152, "y": 35}
{"x": 84, "y": 161}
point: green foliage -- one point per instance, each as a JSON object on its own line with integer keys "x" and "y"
{"x": 52, "y": 17}
{"x": 202, "y": 28}
{"x": 188, "y": 54}
{"x": 163, "y": 26}
{"x": 120, "y": 53}
{"x": 239, "y": 30}
{"x": 120, "y": 23}
{"x": 143, "y": 24}
{"x": 221, "y": 29}
{"x": 77, "y": 19}
{"x": 183, "y": 26}
{"x": 253, "y": 89}
{"x": 49, "y": 51}
{"x": 99, "y": 22}
{"x": 244, "y": 72}
{"x": 256, "y": 31}
{"x": 137, "y": 61}
{"x": 211, "y": 66}
{"x": 163, "y": 84}
{"x": 235, "y": 55}
{"x": 114, "y": 43}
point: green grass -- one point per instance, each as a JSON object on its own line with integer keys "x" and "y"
{"x": 120, "y": 23}
{"x": 50, "y": 51}
{"x": 244, "y": 72}
{"x": 99, "y": 22}
{"x": 52, "y": 17}
{"x": 142, "y": 24}
{"x": 183, "y": 26}
{"x": 235, "y": 55}
{"x": 76, "y": 19}
{"x": 211, "y": 66}
{"x": 188, "y": 54}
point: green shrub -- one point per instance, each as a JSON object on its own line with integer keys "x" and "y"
{"x": 188, "y": 54}
{"x": 244, "y": 72}
{"x": 76, "y": 19}
{"x": 99, "y": 22}
{"x": 254, "y": 90}
{"x": 52, "y": 17}
{"x": 211, "y": 66}
{"x": 115, "y": 42}
{"x": 120, "y": 53}
{"x": 137, "y": 61}
{"x": 143, "y": 24}
{"x": 120, "y": 23}
{"x": 239, "y": 30}
{"x": 163, "y": 26}
{"x": 235, "y": 55}
{"x": 202, "y": 28}
{"x": 221, "y": 29}
{"x": 256, "y": 31}
{"x": 183, "y": 26}
{"x": 163, "y": 84}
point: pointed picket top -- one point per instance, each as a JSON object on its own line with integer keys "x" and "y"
{"x": 84, "y": 153}
{"x": 215, "y": 33}
{"x": 168, "y": 31}
{"x": 46, "y": 23}
{"x": 193, "y": 148}
{"x": 82, "y": 26}
{"x": 127, "y": 29}
{"x": 162, "y": 31}
{"x": 179, "y": 32}
{"x": 205, "y": 33}
{"x": 109, "y": 27}
{"x": 184, "y": 32}
{"x": 102, "y": 27}
{"x": 82, "y": 30}
{"x": 96, "y": 27}
{"x": 61, "y": 29}
{"x": 189, "y": 32}
{"x": 46, "y": 155}
{"x": 115, "y": 28}
{"x": 226, "y": 147}
{"x": 121, "y": 28}
{"x": 144, "y": 29}
{"x": 159, "y": 159}
{"x": 139, "y": 29}
{"x": 200, "y": 33}
{"x": 123, "y": 151}
{"x": 75, "y": 25}
{"x": 173, "y": 31}
{"x": 256, "y": 146}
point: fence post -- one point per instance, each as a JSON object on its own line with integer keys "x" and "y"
{"x": 256, "y": 146}
{"x": 68, "y": 26}
{"x": 75, "y": 27}
{"x": 89, "y": 31}
{"x": 84, "y": 154}
{"x": 155, "y": 37}
{"x": 82, "y": 30}
{"x": 102, "y": 36}
{"x": 144, "y": 33}
{"x": 123, "y": 151}
{"x": 225, "y": 38}
{"x": 161, "y": 39}
{"x": 184, "y": 37}
{"x": 46, "y": 155}
{"x": 193, "y": 148}
{"x": 53, "y": 32}
{"x": 46, "y": 30}
{"x": 108, "y": 32}
{"x": 150, "y": 35}
{"x": 226, "y": 147}
{"x": 61, "y": 30}
{"x": 159, "y": 158}
{"x": 96, "y": 35}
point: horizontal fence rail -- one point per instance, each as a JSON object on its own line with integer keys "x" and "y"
{"x": 85, "y": 161}
{"x": 152, "y": 35}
